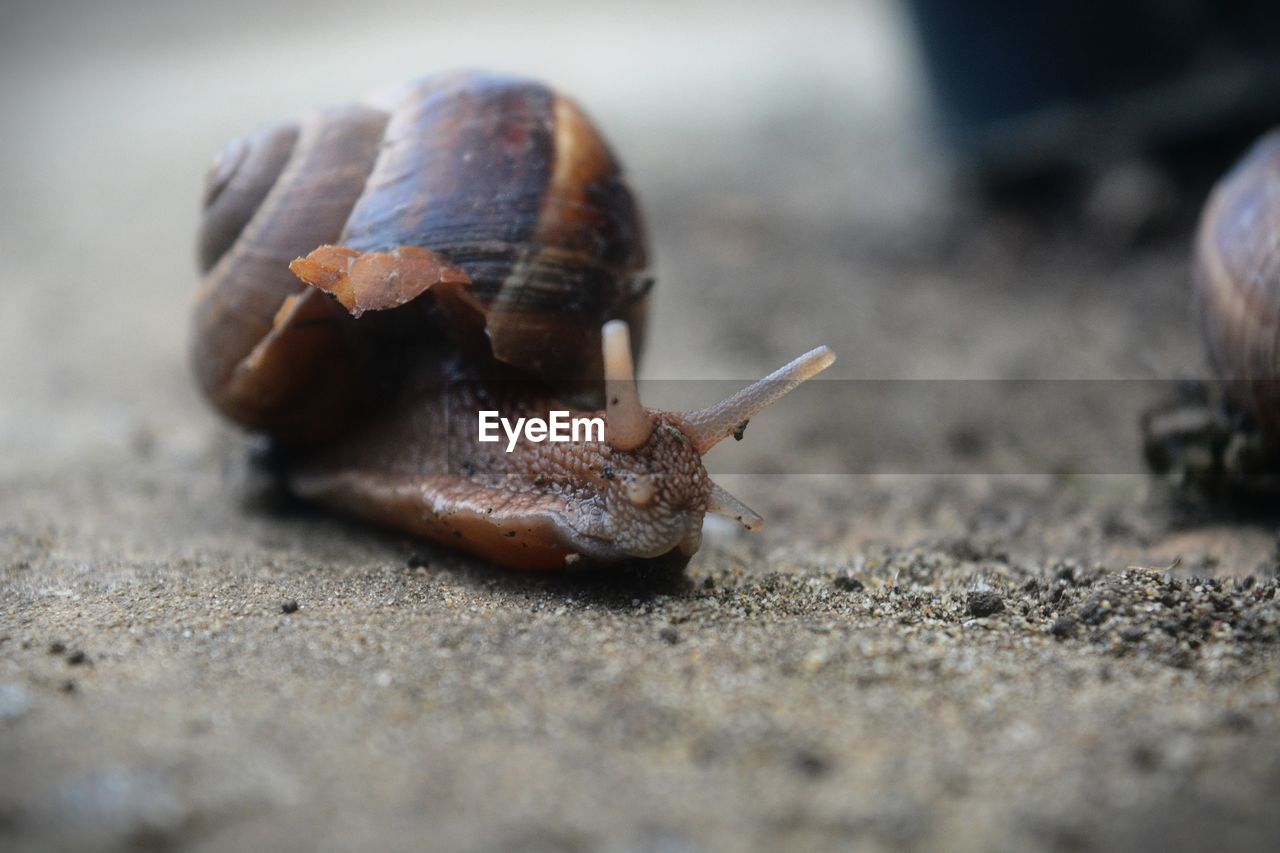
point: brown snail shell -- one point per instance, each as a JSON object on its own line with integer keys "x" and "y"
{"x": 1237, "y": 281}
{"x": 498, "y": 189}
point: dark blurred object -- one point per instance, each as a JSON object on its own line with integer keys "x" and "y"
{"x": 1024, "y": 89}
{"x": 1225, "y": 434}
{"x": 1201, "y": 443}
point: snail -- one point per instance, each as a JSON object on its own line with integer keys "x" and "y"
{"x": 1237, "y": 281}
{"x": 377, "y": 276}
{"x": 1227, "y": 432}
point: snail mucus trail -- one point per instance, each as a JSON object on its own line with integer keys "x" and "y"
{"x": 377, "y": 273}
{"x": 1224, "y": 434}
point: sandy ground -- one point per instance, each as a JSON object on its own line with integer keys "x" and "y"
{"x": 957, "y": 631}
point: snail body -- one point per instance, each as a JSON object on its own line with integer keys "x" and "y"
{"x": 375, "y": 276}
{"x": 1237, "y": 282}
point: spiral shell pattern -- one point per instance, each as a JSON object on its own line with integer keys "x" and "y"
{"x": 502, "y": 178}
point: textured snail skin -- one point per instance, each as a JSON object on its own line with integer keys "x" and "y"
{"x": 1237, "y": 281}
{"x": 543, "y": 506}
{"x": 376, "y": 274}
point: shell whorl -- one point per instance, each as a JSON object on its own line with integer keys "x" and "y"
{"x": 1237, "y": 280}
{"x": 501, "y": 177}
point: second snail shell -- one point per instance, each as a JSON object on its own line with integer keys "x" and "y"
{"x": 1237, "y": 281}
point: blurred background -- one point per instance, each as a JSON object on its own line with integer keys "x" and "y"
{"x": 1022, "y": 91}
{"x": 996, "y": 192}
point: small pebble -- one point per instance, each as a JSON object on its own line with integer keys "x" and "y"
{"x": 290, "y": 606}
{"x": 57, "y": 648}
{"x": 417, "y": 561}
{"x": 1095, "y": 611}
{"x": 1145, "y": 757}
{"x": 848, "y": 583}
{"x": 669, "y": 635}
{"x": 1236, "y": 721}
{"x": 67, "y": 686}
{"x": 1133, "y": 633}
{"x": 1064, "y": 627}
{"x": 77, "y": 657}
{"x": 810, "y": 763}
{"x": 984, "y": 603}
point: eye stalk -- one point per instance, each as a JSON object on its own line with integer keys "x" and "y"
{"x": 627, "y": 424}
{"x": 708, "y": 427}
